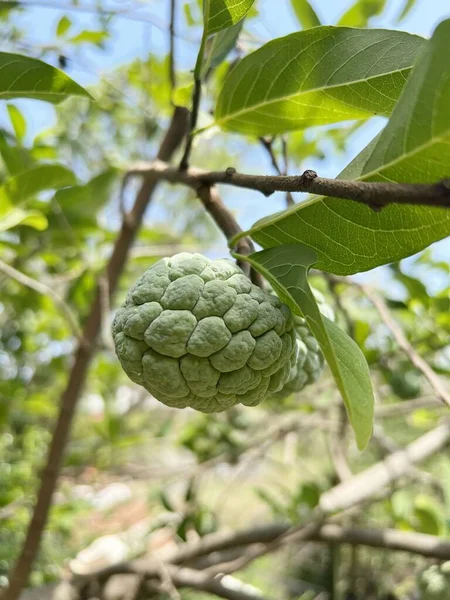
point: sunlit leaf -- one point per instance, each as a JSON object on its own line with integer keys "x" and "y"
{"x": 413, "y": 148}
{"x": 220, "y": 14}
{"x": 319, "y": 76}
{"x": 359, "y": 14}
{"x": 17, "y": 216}
{"x": 63, "y": 26}
{"x": 18, "y": 188}
{"x": 305, "y": 13}
{"x": 24, "y": 77}
{"x": 90, "y": 37}
{"x": 17, "y": 121}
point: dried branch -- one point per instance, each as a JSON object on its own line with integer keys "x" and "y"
{"x": 373, "y": 194}
{"x": 82, "y": 359}
{"x": 45, "y": 290}
{"x": 368, "y": 483}
{"x": 420, "y": 364}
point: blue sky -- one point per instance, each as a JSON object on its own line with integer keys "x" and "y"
{"x": 131, "y": 39}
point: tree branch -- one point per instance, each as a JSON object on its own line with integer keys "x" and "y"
{"x": 373, "y": 194}
{"x": 226, "y": 222}
{"x": 267, "y": 144}
{"x": 368, "y": 483}
{"x": 82, "y": 359}
{"x": 172, "y": 71}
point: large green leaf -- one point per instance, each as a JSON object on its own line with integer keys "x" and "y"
{"x": 220, "y": 14}
{"x": 360, "y": 12}
{"x": 286, "y": 268}
{"x": 315, "y": 77}
{"x": 24, "y": 77}
{"x": 413, "y": 148}
{"x": 305, "y": 13}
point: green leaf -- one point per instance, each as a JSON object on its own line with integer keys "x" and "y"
{"x": 286, "y": 269}
{"x": 17, "y": 121}
{"x": 19, "y": 188}
{"x": 221, "y": 44}
{"x": 16, "y": 158}
{"x": 220, "y": 14}
{"x": 315, "y": 77}
{"x": 24, "y": 77}
{"x": 413, "y": 148}
{"x": 63, "y": 26}
{"x": 407, "y": 8}
{"x": 359, "y": 14}
{"x": 80, "y": 203}
{"x": 305, "y": 14}
{"x": 17, "y": 216}
{"x": 89, "y": 37}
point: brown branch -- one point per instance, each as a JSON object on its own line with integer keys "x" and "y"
{"x": 226, "y": 222}
{"x": 373, "y": 194}
{"x": 267, "y": 144}
{"x": 82, "y": 359}
{"x": 172, "y": 72}
{"x": 420, "y": 364}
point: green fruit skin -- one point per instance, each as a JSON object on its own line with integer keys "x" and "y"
{"x": 197, "y": 333}
{"x": 310, "y": 361}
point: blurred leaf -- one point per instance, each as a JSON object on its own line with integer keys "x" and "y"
{"x": 89, "y": 36}
{"x": 182, "y": 95}
{"x": 305, "y": 13}
{"x": 166, "y": 502}
{"x": 19, "y": 188}
{"x": 17, "y": 216}
{"x": 16, "y": 158}
{"x": 24, "y": 77}
{"x": 286, "y": 268}
{"x": 314, "y": 77}
{"x": 81, "y": 203}
{"x": 429, "y": 515}
{"x": 63, "y": 25}
{"x": 276, "y": 507}
{"x": 17, "y": 121}
{"x": 219, "y": 46}
{"x": 361, "y": 12}
{"x": 188, "y": 15}
{"x": 408, "y": 6}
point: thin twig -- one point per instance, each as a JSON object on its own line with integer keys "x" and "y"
{"x": 196, "y": 98}
{"x": 267, "y": 144}
{"x": 172, "y": 71}
{"x": 45, "y": 290}
{"x": 373, "y": 194}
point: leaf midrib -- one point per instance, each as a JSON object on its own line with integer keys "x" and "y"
{"x": 304, "y": 92}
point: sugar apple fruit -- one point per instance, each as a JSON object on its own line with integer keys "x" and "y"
{"x": 196, "y": 332}
{"x": 310, "y": 361}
